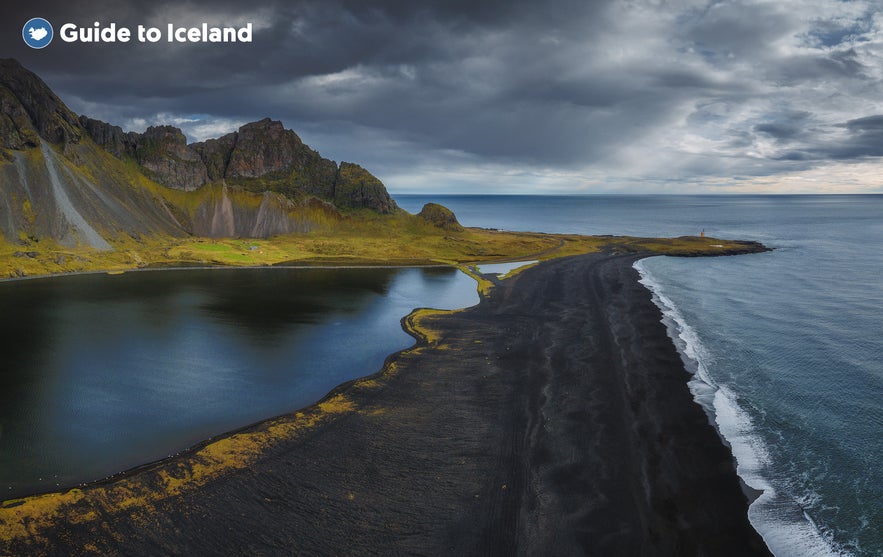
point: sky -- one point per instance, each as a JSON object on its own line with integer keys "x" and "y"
{"x": 507, "y": 96}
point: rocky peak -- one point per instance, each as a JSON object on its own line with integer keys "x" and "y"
{"x": 29, "y": 110}
{"x": 215, "y": 154}
{"x": 167, "y": 138}
{"x": 111, "y": 137}
{"x": 261, "y": 127}
{"x": 163, "y": 150}
{"x": 440, "y": 216}
{"x": 356, "y": 187}
{"x": 262, "y": 148}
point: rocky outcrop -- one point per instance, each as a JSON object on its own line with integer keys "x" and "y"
{"x": 266, "y": 150}
{"x": 29, "y": 110}
{"x": 164, "y": 152}
{"x": 112, "y": 138}
{"x": 16, "y": 129}
{"x": 161, "y": 150}
{"x": 356, "y": 187}
{"x": 262, "y": 148}
{"x": 440, "y": 216}
{"x": 215, "y": 155}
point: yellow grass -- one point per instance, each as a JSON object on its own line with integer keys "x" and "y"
{"x": 484, "y": 285}
{"x": 31, "y": 516}
{"x": 359, "y": 238}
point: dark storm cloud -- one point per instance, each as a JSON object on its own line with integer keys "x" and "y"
{"x": 808, "y": 68}
{"x": 724, "y": 28}
{"x": 779, "y": 131}
{"x": 865, "y": 139}
{"x": 297, "y": 39}
{"x": 804, "y": 140}
{"x": 630, "y": 89}
{"x": 787, "y": 126}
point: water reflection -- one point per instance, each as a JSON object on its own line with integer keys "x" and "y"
{"x": 101, "y": 373}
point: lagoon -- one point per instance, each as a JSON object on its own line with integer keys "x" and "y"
{"x": 102, "y": 373}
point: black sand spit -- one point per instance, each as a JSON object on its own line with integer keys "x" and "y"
{"x": 552, "y": 419}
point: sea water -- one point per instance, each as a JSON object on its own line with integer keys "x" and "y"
{"x": 785, "y": 346}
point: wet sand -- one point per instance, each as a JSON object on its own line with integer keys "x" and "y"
{"x": 552, "y": 419}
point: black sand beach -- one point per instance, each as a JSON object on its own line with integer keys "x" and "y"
{"x": 552, "y": 419}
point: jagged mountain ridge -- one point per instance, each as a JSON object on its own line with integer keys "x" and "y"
{"x": 80, "y": 181}
{"x": 262, "y": 149}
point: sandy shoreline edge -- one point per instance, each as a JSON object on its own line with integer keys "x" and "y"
{"x": 550, "y": 417}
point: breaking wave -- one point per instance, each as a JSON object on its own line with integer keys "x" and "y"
{"x": 785, "y": 527}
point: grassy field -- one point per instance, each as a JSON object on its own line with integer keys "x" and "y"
{"x": 360, "y": 239}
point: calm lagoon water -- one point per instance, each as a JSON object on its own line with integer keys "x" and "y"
{"x": 787, "y": 346}
{"x": 101, "y": 373}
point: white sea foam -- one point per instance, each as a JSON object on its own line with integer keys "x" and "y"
{"x": 787, "y": 530}
{"x": 693, "y": 353}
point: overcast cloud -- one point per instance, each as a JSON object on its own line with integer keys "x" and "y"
{"x": 509, "y": 96}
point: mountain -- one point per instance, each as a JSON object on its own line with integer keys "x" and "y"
{"x": 80, "y": 181}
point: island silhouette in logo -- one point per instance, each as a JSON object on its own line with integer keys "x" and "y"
{"x": 38, "y": 34}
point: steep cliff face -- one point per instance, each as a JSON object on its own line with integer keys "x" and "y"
{"x": 55, "y": 183}
{"x": 163, "y": 151}
{"x": 266, "y": 150}
{"x": 215, "y": 155}
{"x": 80, "y": 181}
{"x": 261, "y": 148}
{"x": 16, "y": 129}
{"x": 356, "y": 187}
{"x": 29, "y": 110}
{"x": 112, "y": 138}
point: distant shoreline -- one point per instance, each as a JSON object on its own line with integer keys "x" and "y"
{"x": 472, "y": 441}
{"x": 219, "y": 267}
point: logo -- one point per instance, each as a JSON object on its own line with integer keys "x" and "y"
{"x": 37, "y": 33}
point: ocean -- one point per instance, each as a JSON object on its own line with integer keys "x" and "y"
{"x": 785, "y": 346}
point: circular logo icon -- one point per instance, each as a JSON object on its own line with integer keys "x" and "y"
{"x": 37, "y": 33}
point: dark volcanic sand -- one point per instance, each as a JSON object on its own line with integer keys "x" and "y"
{"x": 556, "y": 421}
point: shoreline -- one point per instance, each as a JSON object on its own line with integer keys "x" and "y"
{"x": 477, "y": 246}
{"x": 673, "y": 324}
{"x": 420, "y": 442}
{"x": 221, "y": 267}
